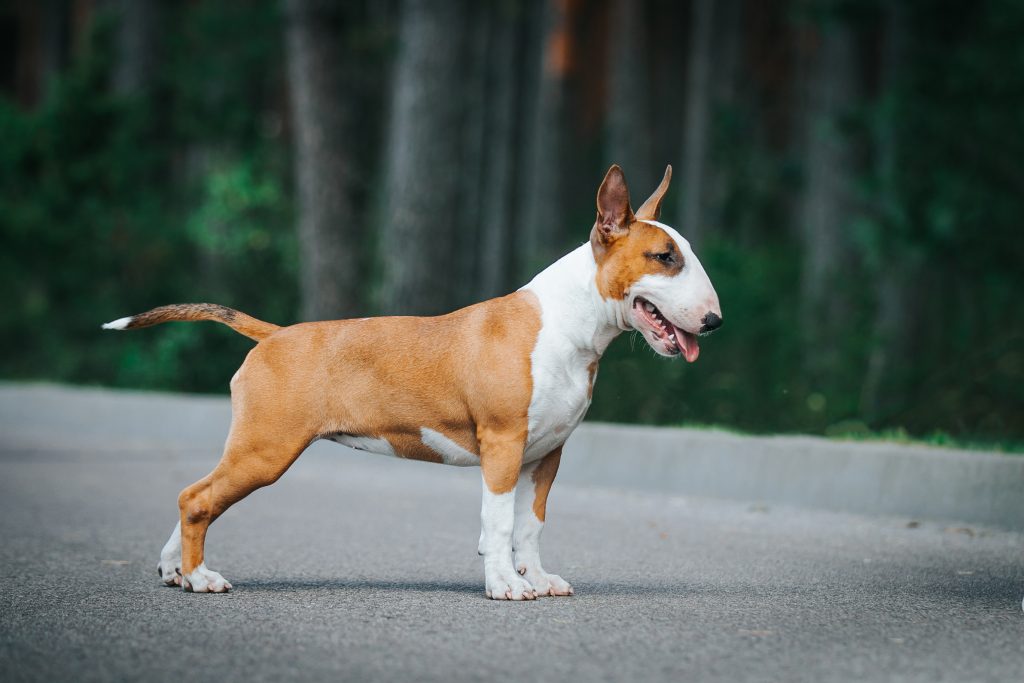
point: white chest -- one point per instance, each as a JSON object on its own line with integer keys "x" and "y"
{"x": 562, "y": 383}
{"x": 577, "y": 325}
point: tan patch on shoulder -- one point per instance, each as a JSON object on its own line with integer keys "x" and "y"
{"x": 592, "y": 372}
{"x": 504, "y": 375}
{"x": 634, "y": 255}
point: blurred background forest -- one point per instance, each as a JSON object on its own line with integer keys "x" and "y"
{"x": 849, "y": 172}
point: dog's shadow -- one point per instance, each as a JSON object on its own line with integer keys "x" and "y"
{"x": 467, "y": 587}
{"x": 287, "y": 585}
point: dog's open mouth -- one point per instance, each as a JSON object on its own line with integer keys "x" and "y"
{"x": 675, "y": 340}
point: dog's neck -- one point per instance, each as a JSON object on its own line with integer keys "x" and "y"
{"x": 572, "y": 305}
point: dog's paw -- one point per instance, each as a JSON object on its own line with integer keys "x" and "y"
{"x": 203, "y": 580}
{"x": 169, "y": 570}
{"x": 545, "y": 584}
{"x": 512, "y": 587}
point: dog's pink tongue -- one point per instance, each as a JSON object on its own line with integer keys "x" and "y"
{"x": 688, "y": 344}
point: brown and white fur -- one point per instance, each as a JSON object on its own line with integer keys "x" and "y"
{"x": 500, "y": 384}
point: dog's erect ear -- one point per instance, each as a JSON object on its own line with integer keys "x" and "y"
{"x": 613, "y": 211}
{"x": 651, "y": 209}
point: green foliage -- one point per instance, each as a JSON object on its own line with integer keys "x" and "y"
{"x": 99, "y": 221}
{"x": 951, "y": 207}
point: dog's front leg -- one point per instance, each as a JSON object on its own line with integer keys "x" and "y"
{"x": 531, "y": 504}
{"x": 500, "y": 462}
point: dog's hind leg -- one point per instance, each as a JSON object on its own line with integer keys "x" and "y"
{"x": 249, "y": 462}
{"x": 169, "y": 566}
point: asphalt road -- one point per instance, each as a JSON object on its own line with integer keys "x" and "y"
{"x": 361, "y": 568}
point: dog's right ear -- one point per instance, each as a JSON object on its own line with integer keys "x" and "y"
{"x": 614, "y": 214}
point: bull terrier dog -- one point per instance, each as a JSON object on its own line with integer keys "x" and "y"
{"x": 500, "y": 385}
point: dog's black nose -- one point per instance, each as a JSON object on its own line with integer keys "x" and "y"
{"x": 711, "y": 322}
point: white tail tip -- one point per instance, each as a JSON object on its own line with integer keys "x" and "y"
{"x": 118, "y": 324}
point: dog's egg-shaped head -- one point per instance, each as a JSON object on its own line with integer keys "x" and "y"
{"x": 650, "y": 271}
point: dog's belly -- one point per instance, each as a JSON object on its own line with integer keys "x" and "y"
{"x": 431, "y": 446}
{"x": 364, "y": 443}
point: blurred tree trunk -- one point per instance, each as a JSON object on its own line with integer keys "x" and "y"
{"x": 698, "y": 129}
{"x": 825, "y": 204}
{"x": 727, "y": 49}
{"x": 541, "y": 227}
{"x": 418, "y": 250}
{"x": 500, "y": 161}
{"x": 42, "y": 29}
{"x": 896, "y": 287}
{"x": 475, "y": 131}
{"x": 327, "y": 230}
{"x": 727, "y": 55}
{"x": 715, "y": 53}
{"x": 629, "y": 98}
{"x": 138, "y": 37}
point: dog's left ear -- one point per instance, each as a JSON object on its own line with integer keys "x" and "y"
{"x": 651, "y": 209}
{"x": 614, "y": 213}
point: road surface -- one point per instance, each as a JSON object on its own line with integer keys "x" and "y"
{"x": 356, "y": 567}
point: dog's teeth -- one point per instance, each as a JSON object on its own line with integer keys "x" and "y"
{"x": 649, "y": 306}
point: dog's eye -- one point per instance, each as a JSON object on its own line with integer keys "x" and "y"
{"x": 665, "y": 257}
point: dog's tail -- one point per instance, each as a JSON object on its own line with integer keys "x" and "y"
{"x": 236, "y": 320}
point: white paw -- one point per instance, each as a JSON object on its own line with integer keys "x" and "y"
{"x": 169, "y": 567}
{"x": 508, "y": 586}
{"x": 545, "y": 584}
{"x": 203, "y": 580}
{"x": 169, "y": 570}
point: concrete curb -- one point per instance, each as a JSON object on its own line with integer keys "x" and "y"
{"x": 874, "y": 479}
